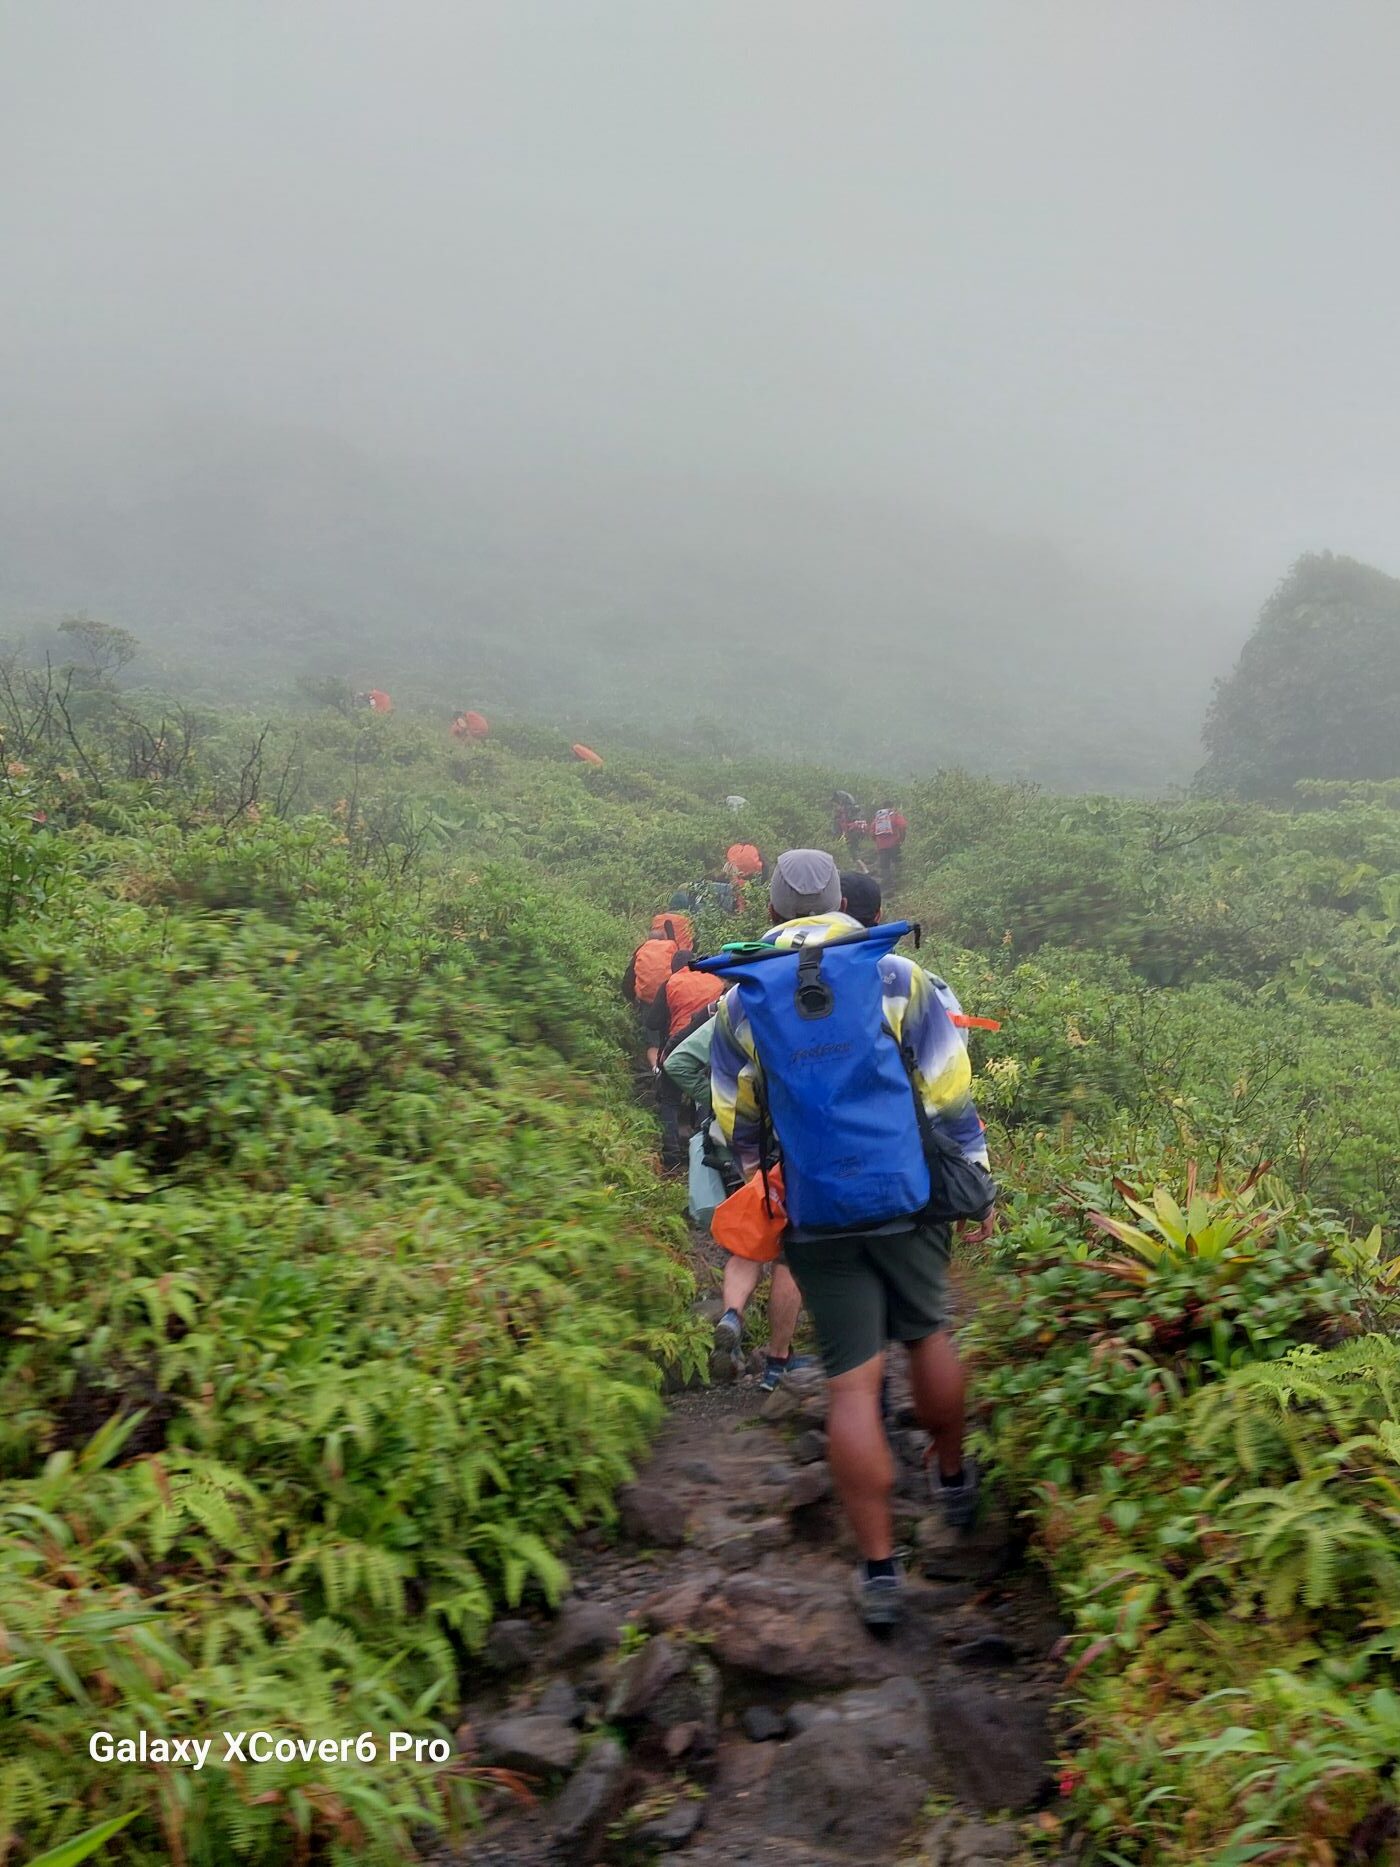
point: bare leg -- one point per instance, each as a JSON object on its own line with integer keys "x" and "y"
{"x": 940, "y": 1392}
{"x": 859, "y": 1456}
{"x": 741, "y": 1277}
{"x": 784, "y": 1307}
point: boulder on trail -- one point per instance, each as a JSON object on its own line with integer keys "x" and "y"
{"x": 855, "y": 1784}
{"x": 642, "y": 1677}
{"x": 997, "y": 1749}
{"x": 584, "y": 1631}
{"x": 510, "y": 1647}
{"x": 651, "y": 1516}
{"x": 532, "y": 1742}
{"x": 762, "y": 1725}
{"x": 775, "y": 1626}
{"x": 671, "y": 1827}
{"x": 581, "y": 1816}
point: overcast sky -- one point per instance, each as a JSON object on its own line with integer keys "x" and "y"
{"x": 1121, "y": 274}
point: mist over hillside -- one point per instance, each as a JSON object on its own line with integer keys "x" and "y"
{"x": 770, "y": 615}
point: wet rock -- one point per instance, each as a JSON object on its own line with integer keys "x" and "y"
{"x": 690, "y": 1703}
{"x": 699, "y": 1472}
{"x": 643, "y": 1677}
{"x": 511, "y": 1647}
{"x": 805, "y": 1713}
{"x": 584, "y": 1630}
{"x": 672, "y": 1827}
{"x": 998, "y": 1750}
{"x": 532, "y": 1742}
{"x": 762, "y": 1725}
{"x": 809, "y": 1447}
{"x": 954, "y": 1595}
{"x": 812, "y": 1485}
{"x": 679, "y": 1739}
{"x": 979, "y": 1843}
{"x": 560, "y": 1700}
{"x": 856, "y": 1784}
{"x": 978, "y": 1555}
{"x": 952, "y": 1842}
{"x": 777, "y": 1475}
{"x": 985, "y": 1650}
{"x": 679, "y": 1606}
{"x": 775, "y": 1626}
{"x": 745, "y": 1547}
{"x": 652, "y": 1516}
{"x": 584, "y": 1810}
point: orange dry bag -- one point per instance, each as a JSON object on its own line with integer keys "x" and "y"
{"x": 751, "y": 1222}
{"x": 686, "y": 993}
{"x": 651, "y": 968}
{"x": 677, "y": 927}
{"x": 586, "y": 754}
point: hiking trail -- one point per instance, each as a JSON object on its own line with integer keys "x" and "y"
{"x": 708, "y": 1688}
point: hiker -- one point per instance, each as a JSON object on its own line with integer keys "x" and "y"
{"x": 687, "y": 1066}
{"x": 648, "y": 971}
{"x": 846, "y": 1028}
{"x": 379, "y": 701}
{"x": 470, "y": 726}
{"x": 889, "y": 827}
{"x": 848, "y": 820}
{"x": 742, "y": 863}
{"x": 861, "y": 897}
{"x": 670, "y": 1016}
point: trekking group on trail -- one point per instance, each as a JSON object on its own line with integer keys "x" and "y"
{"x": 836, "y": 1140}
{"x": 886, "y": 826}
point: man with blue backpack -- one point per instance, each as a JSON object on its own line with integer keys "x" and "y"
{"x": 833, "y": 1057}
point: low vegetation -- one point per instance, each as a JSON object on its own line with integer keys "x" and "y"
{"x": 337, "y": 1277}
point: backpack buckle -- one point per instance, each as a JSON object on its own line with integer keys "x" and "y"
{"x": 812, "y": 994}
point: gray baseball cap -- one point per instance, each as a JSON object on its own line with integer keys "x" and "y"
{"x": 805, "y": 881}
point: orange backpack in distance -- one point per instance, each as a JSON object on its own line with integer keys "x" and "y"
{"x": 651, "y": 967}
{"x": 744, "y": 861}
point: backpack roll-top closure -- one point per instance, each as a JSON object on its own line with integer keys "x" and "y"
{"x": 834, "y": 1085}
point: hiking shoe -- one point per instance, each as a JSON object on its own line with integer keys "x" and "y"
{"x": 724, "y": 1356}
{"x": 776, "y": 1366}
{"x": 879, "y": 1599}
{"x": 958, "y": 1503}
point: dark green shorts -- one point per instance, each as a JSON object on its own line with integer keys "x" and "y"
{"x": 864, "y": 1292}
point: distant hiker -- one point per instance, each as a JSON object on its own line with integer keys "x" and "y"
{"x": 379, "y": 701}
{"x": 848, "y": 820}
{"x": 684, "y": 1000}
{"x": 586, "y": 755}
{"x": 889, "y": 827}
{"x": 742, "y": 863}
{"x": 470, "y": 726}
{"x": 861, "y": 897}
{"x": 648, "y": 970}
{"x": 814, "y": 1052}
{"x": 736, "y": 803}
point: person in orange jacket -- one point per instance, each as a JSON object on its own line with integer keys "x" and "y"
{"x": 677, "y": 1007}
{"x": 648, "y": 972}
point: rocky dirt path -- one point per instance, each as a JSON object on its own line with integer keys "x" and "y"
{"x": 707, "y": 1687}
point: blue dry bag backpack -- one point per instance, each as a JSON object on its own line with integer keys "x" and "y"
{"x": 836, "y": 1090}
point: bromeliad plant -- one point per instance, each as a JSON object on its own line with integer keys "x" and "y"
{"x": 1215, "y": 1229}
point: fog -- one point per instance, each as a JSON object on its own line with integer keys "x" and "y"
{"x": 964, "y": 374}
